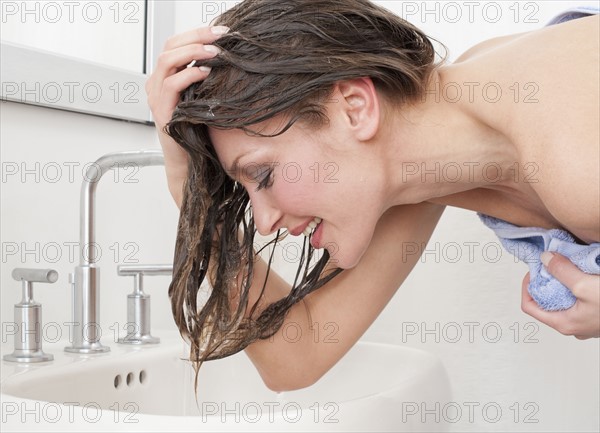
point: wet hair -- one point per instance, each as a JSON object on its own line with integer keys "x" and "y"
{"x": 280, "y": 58}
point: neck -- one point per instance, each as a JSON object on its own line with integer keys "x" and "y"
{"x": 435, "y": 149}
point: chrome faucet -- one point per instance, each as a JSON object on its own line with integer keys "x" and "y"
{"x": 138, "y": 303}
{"x": 28, "y": 317}
{"x": 85, "y": 280}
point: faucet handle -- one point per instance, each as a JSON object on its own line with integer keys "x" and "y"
{"x": 124, "y": 270}
{"x": 28, "y": 317}
{"x": 29, "y": 276}
{"x": 138, "y": 302}
{"x": 35, "y": 275}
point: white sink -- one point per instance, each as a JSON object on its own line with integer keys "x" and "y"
{"x": 375, "y": 387}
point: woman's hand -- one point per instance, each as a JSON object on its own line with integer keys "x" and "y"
{"x": 170, "y": 77}
{"x": 581, "y": 320}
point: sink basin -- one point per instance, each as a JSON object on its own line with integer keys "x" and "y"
{"x": 150, "y": 388}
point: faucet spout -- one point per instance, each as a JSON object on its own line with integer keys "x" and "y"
{"x": 85, "y": 282}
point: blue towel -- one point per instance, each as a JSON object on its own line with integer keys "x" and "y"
{"x": 528, "y": 243}
{"x": 574, "y": 13}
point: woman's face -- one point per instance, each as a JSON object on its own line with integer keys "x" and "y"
{"x": 306, "y": 173}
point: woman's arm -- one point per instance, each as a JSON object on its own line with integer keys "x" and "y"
{"x": 344, "y": 308}
{"x": 169, "y": 79}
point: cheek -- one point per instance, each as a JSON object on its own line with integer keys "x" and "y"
{"x": 295, "y": 190}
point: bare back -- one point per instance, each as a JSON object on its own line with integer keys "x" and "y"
{"x": 549, "y": 112}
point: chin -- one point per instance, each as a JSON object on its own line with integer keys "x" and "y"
{"x": 349, "y": 254}
{"x": 346, "y": 258}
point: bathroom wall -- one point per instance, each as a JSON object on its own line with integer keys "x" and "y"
{"x": 462, "y": 302}
{"x": 44, "y": 153}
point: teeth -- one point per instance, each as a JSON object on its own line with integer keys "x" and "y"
{"x": 311, "y": 226}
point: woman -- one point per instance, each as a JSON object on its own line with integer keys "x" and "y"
{"x": 347, "y": 87}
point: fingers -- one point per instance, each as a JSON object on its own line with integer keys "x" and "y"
{"x": 569, "y": 275}
{"x": 526, "y": 280}
{"x": 171, "y": 88}
{"x": 554, "y": 319}
{"x": 581, "y": 320}
{"x": 528, "y": 305}
{"x": 178, "y": 82}
{"x": 204, "y": 35}
{"x": 180, "y": 50}
{"x": 574, "y": 321}
{"x": 171, "y": 62}
{"x": 171, "y": 75}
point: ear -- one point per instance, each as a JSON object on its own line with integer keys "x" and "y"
{"x": 360, "y": 105}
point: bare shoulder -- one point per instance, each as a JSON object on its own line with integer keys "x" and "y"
{"x": 561, "y": 130}
{"x": 549, "y": 109}
{"x": 487, "y": 45}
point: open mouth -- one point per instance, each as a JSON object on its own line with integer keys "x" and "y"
{"x": 312, "y": 226}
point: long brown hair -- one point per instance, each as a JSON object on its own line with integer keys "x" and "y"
{"x": 280, "y": 58}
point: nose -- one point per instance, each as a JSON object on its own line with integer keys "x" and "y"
{"x": 266, "y": 216}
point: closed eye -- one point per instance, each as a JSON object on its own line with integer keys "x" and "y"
{"x": 267, "y": 179}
